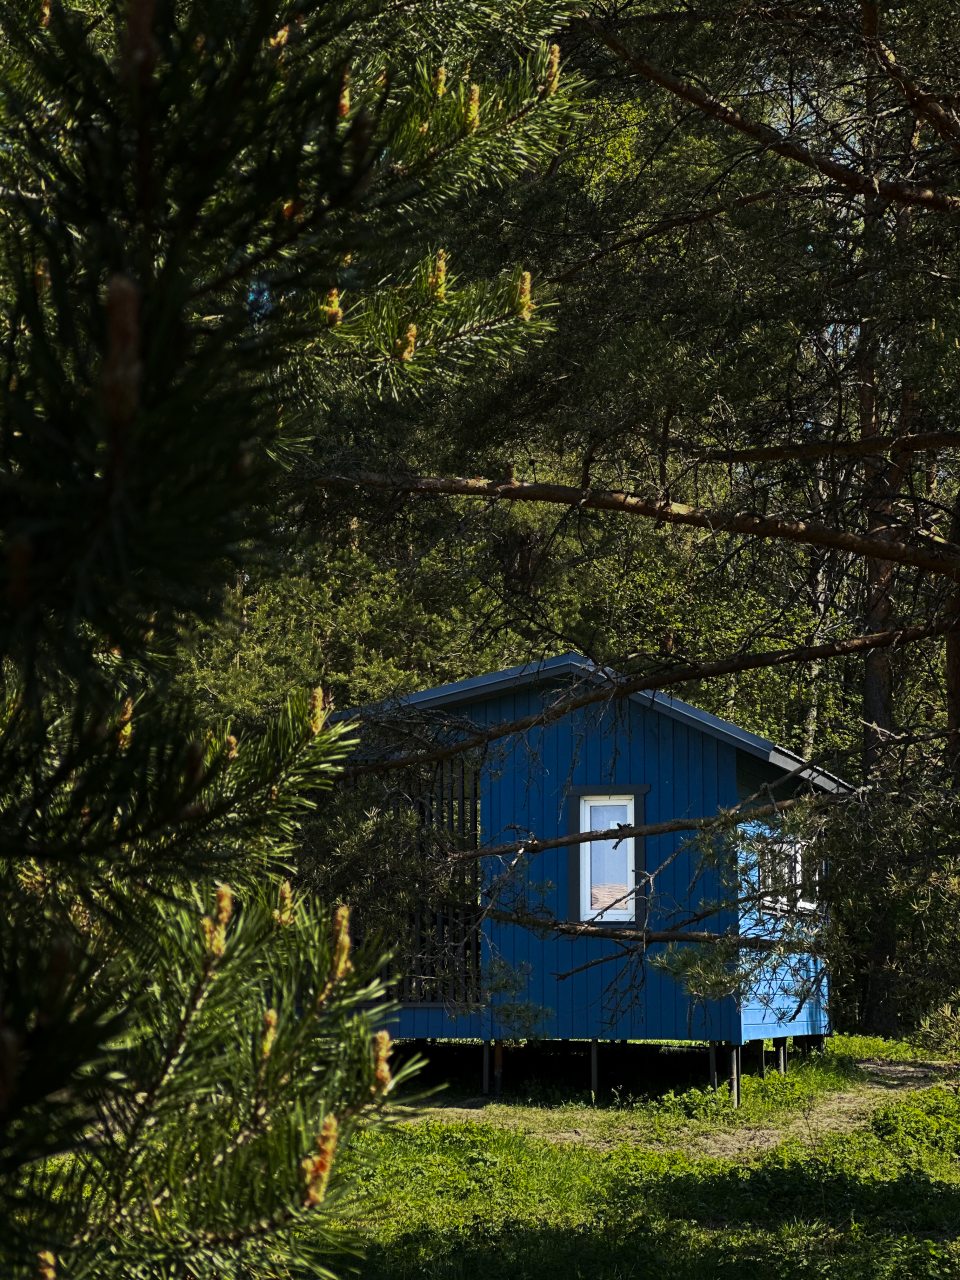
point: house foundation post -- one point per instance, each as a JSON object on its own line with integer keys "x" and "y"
{"x": 594, "y": 1069}
{"x": 486, "y": 1067}
{"x": 733, "y": 1079}
{"x": 761, "y": 1060}
{"x": 714, "y": 1079}
{"x": 497, "y": 1067}
{"x": 780, "y": 1049}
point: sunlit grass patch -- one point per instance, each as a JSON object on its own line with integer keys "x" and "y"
{"x": 627, "y": 1117}
{"x": 877, "y": 1049}
{"x": 528, "y": 1200}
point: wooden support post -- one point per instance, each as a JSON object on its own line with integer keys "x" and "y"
{"x": 761, "y": 1060}
{"x": 817, "y": 1043}
{"x": 594, "y": 1070}
{"x": 714, "y": 1080}
{"x": 497, "y": 1067}
{"x": 486, "y": 1067}
{"x": 733, "y": 1078}
{"x": 780, "y": 1049}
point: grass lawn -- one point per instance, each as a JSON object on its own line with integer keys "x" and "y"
{"x": 846, "y": 1168}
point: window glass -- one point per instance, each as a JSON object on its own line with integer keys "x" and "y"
{"x": 609, "y": 861}
{"x": 607, "y": 874}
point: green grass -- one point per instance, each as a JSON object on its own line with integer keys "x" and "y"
{"x": 516, "y": 1197}
{"x": 762, "y": 1099}
{"x": 624, "y": 1117}
{"x": 876, "y": 1048}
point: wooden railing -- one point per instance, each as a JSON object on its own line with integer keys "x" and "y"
{"x": 440, "y": 958}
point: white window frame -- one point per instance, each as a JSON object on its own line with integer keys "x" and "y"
{"x": 628, "y": 910}
{"x": 791, "y": 853}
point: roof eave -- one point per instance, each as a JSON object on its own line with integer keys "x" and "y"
{"x": 567, "y": 664}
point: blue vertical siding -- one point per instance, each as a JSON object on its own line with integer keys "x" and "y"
{"x": 769, "y": 1007}
{"x": 525, "y": 786}
{"x": 767, "y": 1011}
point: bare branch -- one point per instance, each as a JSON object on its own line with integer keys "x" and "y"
{"x": 724, "y": 818}
{"x": 925, "y": 104}
{"x": 648, "y": 937}
{"x": 896, "y": 190}
{"x": 807, "y": 532}
{"x": 819, "y": 14}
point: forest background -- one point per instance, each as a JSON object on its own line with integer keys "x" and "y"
{"x": 354, "y": 349}
{"x": 744, "y": 253}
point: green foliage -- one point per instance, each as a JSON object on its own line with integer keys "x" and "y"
{"x": 762, "y": 1098}
{"x": 360, "y": 626}
{"x": 707, "y": 297}
{"x": 893, "y": 884}
{"x": 931, "y": 1121}
{"x": 240, "y": 1053}
{"x": 939, "y": 1031}
{"x": 186, "y": 242}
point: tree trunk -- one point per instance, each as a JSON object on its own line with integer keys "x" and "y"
{"x": 876, "y": 1012}
{"x": 819, "y": 596}
{"x": 878, "y": 667}
{"x": 952, "y": 666}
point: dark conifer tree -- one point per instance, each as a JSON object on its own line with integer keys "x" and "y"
{"x": 216, "y": 222}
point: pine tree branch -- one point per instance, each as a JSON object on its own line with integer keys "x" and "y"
{"x": 897, "y": 190}
{"x": 806, "y": 532}
{"x": 118, "y": 1207}
{"x": 819, "y": 14}
{"x": 926, "y": 105}
{"x": 282, "y": 1220}
{"x": 680, "y": 222}
{"x": 644, "y": 937}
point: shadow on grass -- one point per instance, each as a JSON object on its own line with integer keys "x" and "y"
{"x": 606, "y": 1250}
{"x": 768, "y": 1195}
{"x": 513, "y": 1250}
{"x": 553, "y": 1073}
{"x": 797, "y": 1219}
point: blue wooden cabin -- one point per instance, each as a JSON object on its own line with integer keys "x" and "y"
{"x": 646, "y": 758}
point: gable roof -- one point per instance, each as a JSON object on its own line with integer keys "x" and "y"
{"x": 575, "y": 665}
